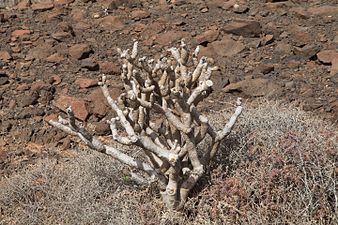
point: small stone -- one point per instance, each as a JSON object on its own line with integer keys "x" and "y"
{"x": 139, "y": 14}
{"x": 283, "y": 48}
{"x": 207, "y": 36}
{"x": 334, "y": 67}
{"x": 40, "y": 52}
{"x": 224, "y": 48}
{"x": 306, "y": 52}
{"x": 78, "y": 106}
{"x": 290, "y": 85}
{"x": 61, "y": 36}
{"x": 327, "y": 56}
{"x": 301, "y": 38}
{"x": 96, "y": 15}
{"x": 86, "y": 83}
{"x": 111, "y": 23}
{"x": 19, "y": 33}
{"x": 4, "y": 79}
{"x": 39, "y": 85}
{"x": 28, "y": 99}
{"x": 311, "y": 104}
{"x": 12, "y": 104}
{"x": 24, "y": 4}
{"x": 245, "y": 28}
{"x": 30, "y": 112}
{"x": 90, "y": 64}
{"x": 254, "y": 87}
{"x": 102, "y": 128}
{"x": 204, "y": 10}
{"x": 16, "y": 49}
{"x": 42, "y": 6}
{"x": 240, "y": 8}
{"x": 6, "y": 126}
{"x": 66, "y": 143}
{"x": 264, "y": 68}
{"x": 55, "y": 58}
{"x": 267, "y": 39}
{"x": 166, "y": 38}
{"x": 98, "y": 103}
{"x": 55, "y": 80}
{"x": 5, "y": 56}
{"x": 80, "y": 51}
{"x": 109, "y": 68}
{"x": 53, "y": 117}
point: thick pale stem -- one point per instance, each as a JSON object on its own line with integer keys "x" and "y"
{"x": 129, "y": 129}
{"x": 97, "y": 145}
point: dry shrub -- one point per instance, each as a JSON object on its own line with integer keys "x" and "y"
{"x": 87, "y": 189}
{"x": 279, "y": 166}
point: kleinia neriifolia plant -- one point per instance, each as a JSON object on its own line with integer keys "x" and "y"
{"x": 158, "y": 113}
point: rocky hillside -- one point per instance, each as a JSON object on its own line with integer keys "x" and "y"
{"x": 53, "y": 51}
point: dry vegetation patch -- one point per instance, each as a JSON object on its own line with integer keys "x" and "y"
{"x": 279, "y": 166}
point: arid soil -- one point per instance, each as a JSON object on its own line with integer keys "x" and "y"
{"x": 52, "y": 53}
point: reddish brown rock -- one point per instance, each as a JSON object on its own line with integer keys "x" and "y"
{"x": 254, "y": 87}
{"x": 168, "y": 37}
{"x": 98, "y": 103}
{"x": 327, "y": 56}
{"x": 111, "y": 23}
{"x": 24, "y": 4}
{"x": 207, "y": 36}
{"x": 61, "y": 36}
{"x": 101, "y": 128}
{"x": 38, "y": 85}
{"x": 4, "y": 79}
{"x": 53, "y": 117}
{"x": 43, "y": 5}
{"x": 245, "y": 28}
{"x": 306, "y": 52}
{"x": 55, "y": 58}
{"x": 334, "y": 67}
{"x": 139, "y": 14}
{"x": 78, "y": 106}
{"x": 264, "y": 68}
{"x": 78, "y": 14}
{"x": 301, "y": 38}
{"x": 5, "y": 56}
{"x": 86, "y": 83}
{"x": 109, "y": 68}
{"x": 226, "y": 5}
{"x": 80, "y": 51}
{"x": 41, "y": 51}
{"x": 27, "y": 99}
{"x": 90, "y": 64}
{"x": 19, "y": 33}
{"x": 55, "y": 80}
{"x": 267, "y": 39}
{"x": 223, "y": 48}
{"x": 12, "y": 104}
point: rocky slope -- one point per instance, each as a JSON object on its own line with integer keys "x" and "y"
{"x": 53, "y": 51}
